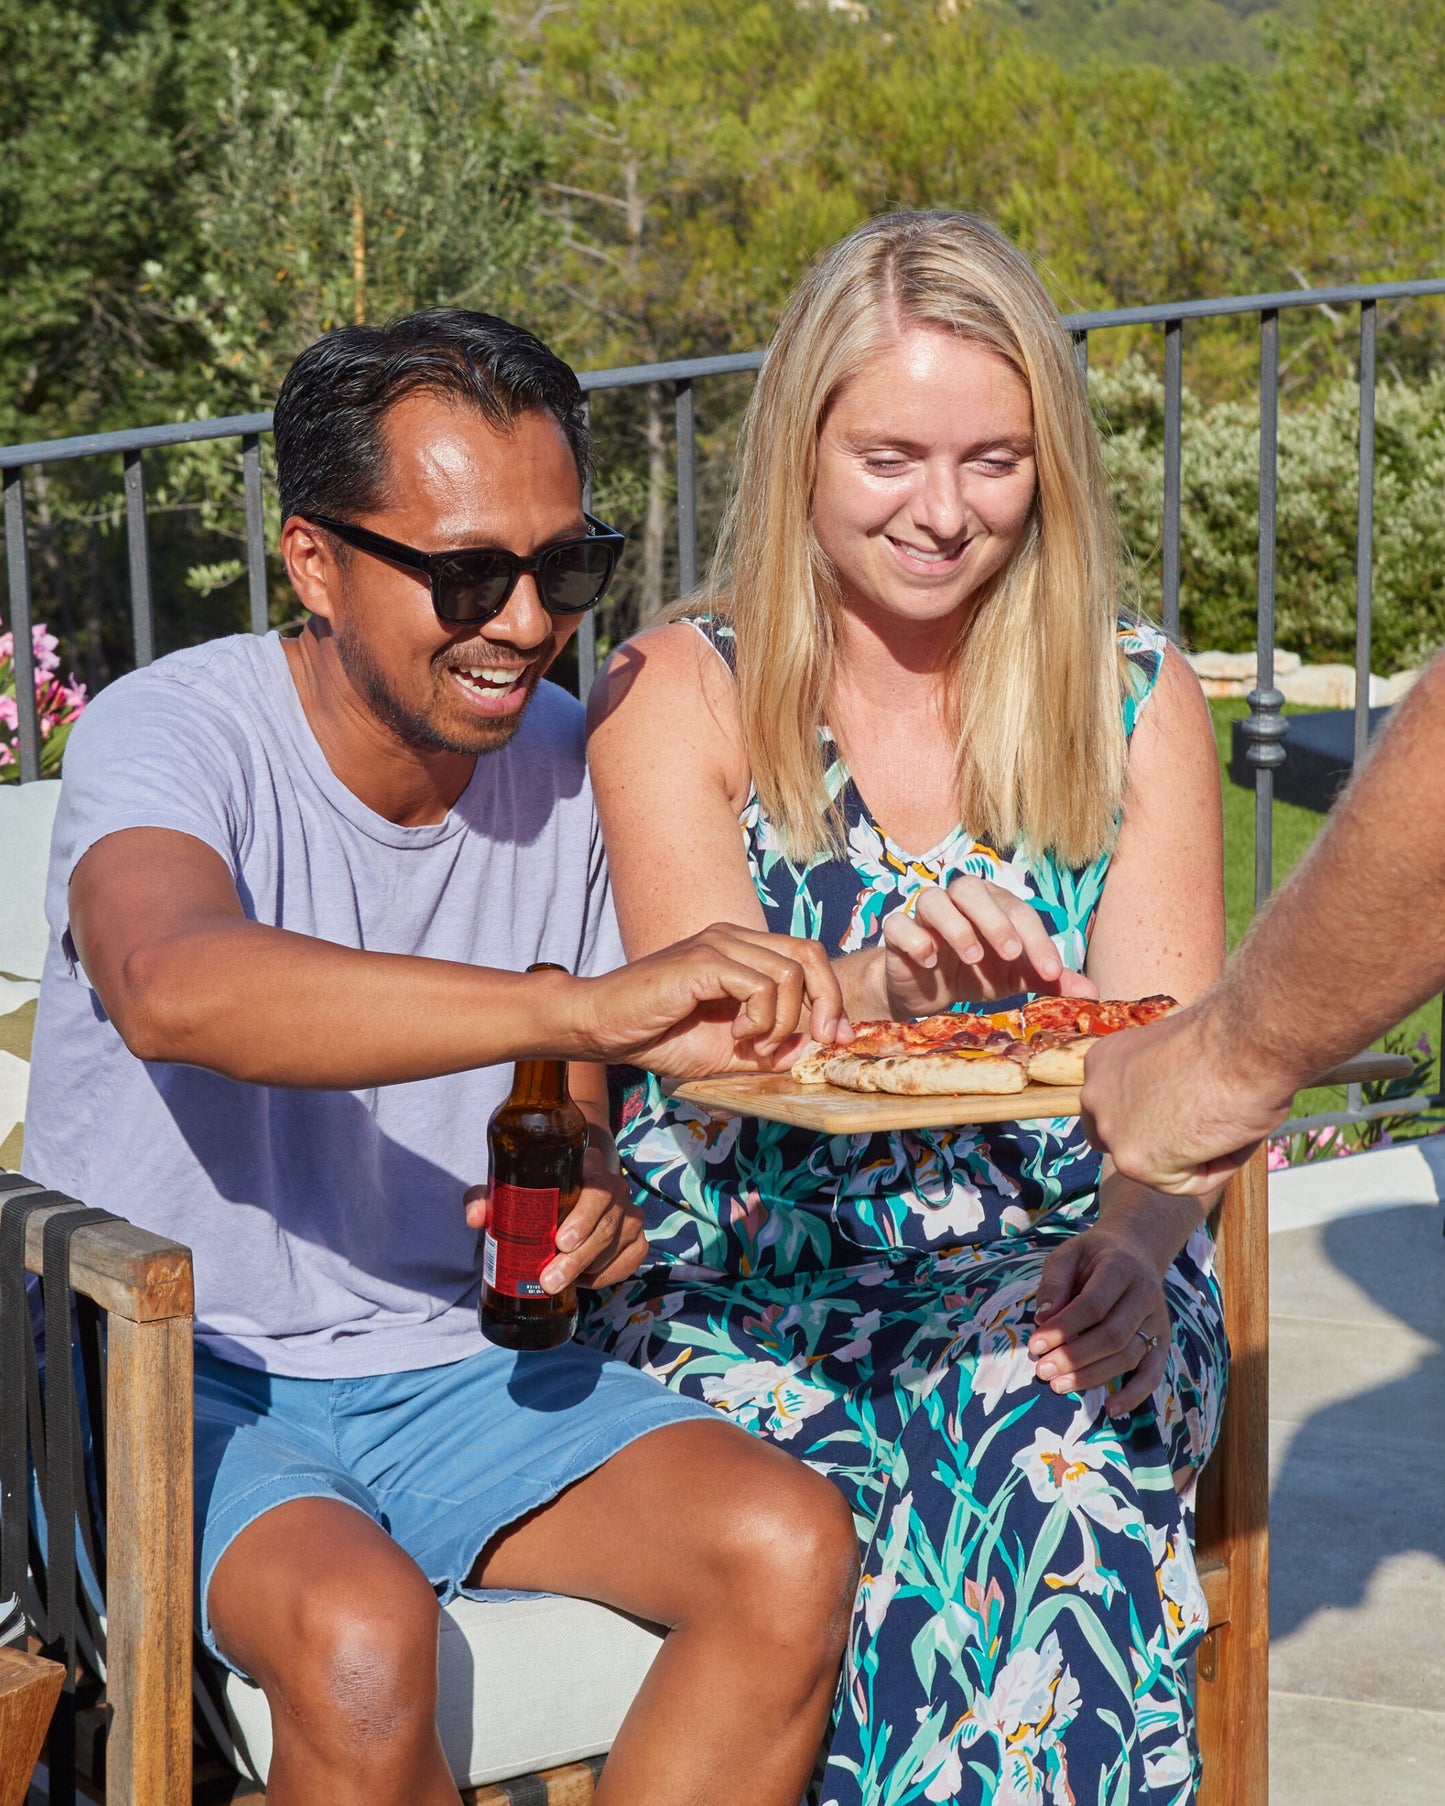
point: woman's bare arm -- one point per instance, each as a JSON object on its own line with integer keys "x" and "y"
{"x": 670, "y": 775}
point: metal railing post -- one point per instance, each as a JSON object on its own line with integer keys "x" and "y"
{"x": 1365, "y": 534}
{"x": 1173, "y": 470}
{"x": 1081, "y": 355}
{"x": 1265, "y": 727}
{"x": 255, "y": 532}
{"x": 686, "y": 489}
{"x": 17, "y": 558}
{"x": 1364, "y": 556}
{"x": 138, "y": 546}
{"x": 587, "y": 630}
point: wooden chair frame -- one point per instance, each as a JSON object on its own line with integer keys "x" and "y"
{"x": 144, "y": 1284}
{"x": 1232, "y": 1534}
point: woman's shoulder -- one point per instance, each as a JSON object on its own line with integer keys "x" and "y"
{"x": 672, "y": 685}
{"x": 1160, "y": 687}
{"x": 686, "y": 653}
{"x": 717, "y": 632}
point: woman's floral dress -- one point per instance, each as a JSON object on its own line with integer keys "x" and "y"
{"x": 1029, "y": 1598}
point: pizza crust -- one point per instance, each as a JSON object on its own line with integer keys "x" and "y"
{"x": 929, "y": 1075}
{"x": 1060, "y": 1061}
{"x": 811, "y": 1065}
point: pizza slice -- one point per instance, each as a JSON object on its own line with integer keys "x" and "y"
{"x": 961, "y": 1054}
{"x": 1059, "y": 1031}
{"x": 1092, "y": 1015}
{"x": 884, "y": 1040}
{"x": 974, "y": 1060}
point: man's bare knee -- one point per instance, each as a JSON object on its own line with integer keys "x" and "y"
{"x": 365, "y": 1661}
{"x": 790, "y": 1564}
{"x": 342, "y": 1641}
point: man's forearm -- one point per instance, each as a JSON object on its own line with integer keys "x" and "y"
{"x": 1158, "y": 1222}
{"x": 1356, "y": 939}
{"x": 270, "y": 1007}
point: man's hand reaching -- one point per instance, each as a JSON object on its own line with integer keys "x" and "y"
{"x": 1174, "y": 1107}
{"x": 726, "y": 1000}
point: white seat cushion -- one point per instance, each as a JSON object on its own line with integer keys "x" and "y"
{"x": 27, "y": 813}
{"x": 526, "y": 1683}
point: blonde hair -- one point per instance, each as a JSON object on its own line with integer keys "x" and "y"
{"x": 1037, "y": 674}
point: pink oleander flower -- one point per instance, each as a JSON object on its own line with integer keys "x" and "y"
{"x": 46, "y": 648}
{"x": 58, "y": 703}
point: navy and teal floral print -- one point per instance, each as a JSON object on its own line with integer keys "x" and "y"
{"x": 1029, "y": 1599}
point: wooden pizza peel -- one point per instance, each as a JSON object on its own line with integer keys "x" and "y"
{"x": 778, "y": 1097}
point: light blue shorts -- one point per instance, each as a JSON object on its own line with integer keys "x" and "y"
{"x": 442, "y": 1458}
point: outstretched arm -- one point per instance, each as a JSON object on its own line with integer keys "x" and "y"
{"x": 1348, "y": 947}
{"x": 187, "y": 978}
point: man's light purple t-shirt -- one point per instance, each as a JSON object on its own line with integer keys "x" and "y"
{"x": 327, "y": 1226}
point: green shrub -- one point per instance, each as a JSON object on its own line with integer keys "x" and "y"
{"x": 1317, "y": 520}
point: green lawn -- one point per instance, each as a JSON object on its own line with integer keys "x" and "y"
{"x": 1294, "y": 829}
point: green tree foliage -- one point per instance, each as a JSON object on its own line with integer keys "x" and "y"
{"x": 339, "y": 192}
{"x": 195, "y": 191}
{"x": 191, "y": 189}
{"x": 1174, "y": 33}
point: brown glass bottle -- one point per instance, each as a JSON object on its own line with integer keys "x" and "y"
{"x": 535, "y": 1143}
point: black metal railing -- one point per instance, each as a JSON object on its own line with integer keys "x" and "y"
{"x": 1263, "y": 729}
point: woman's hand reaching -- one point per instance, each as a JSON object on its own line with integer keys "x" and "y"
{"x": 970, "y": 943}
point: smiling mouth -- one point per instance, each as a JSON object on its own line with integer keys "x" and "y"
{"x": 490, "y": 680}
{"x": 494, "y": 690}
{"x": 927, "y": 557}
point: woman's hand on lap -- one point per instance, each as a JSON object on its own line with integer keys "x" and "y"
{"x": 1100, "y": 1296}
{"x": 972, "y": 942}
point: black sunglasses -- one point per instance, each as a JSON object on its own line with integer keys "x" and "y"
{"x": 470, "y": 586}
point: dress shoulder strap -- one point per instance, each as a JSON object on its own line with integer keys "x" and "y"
{"x": 719, "y": 635}
{"x": 1143, "y": 648}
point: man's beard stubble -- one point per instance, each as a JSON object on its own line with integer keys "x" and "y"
{"x": 411, "y": 727}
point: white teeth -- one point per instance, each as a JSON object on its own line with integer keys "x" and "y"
{"x": 500, "y": 675}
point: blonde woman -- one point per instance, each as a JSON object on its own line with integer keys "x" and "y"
{"x": 905, "y": 719}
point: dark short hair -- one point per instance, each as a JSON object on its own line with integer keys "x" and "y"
{"x": 330, "y": 451}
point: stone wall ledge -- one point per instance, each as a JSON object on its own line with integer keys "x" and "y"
{"x": 1311, "y": 686}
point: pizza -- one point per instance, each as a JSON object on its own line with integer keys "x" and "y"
{"x": 1044, "y": 1043}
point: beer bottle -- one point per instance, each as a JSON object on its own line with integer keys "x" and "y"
{"x": 535, "y": 1143}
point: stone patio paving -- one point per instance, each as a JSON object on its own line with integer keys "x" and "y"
{"x": 1357, "y": 1476}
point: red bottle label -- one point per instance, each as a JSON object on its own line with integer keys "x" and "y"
{"x": 521, "y": 1238}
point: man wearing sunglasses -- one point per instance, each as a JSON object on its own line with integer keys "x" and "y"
{"x": 295, "y": 886}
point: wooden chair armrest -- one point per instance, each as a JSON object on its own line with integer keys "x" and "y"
{"x": 129, "y": 1272}
{"x": 144, "y": 1284}
{"x": 29, "y": 1688}
{"x": 1233, "y": 1525}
